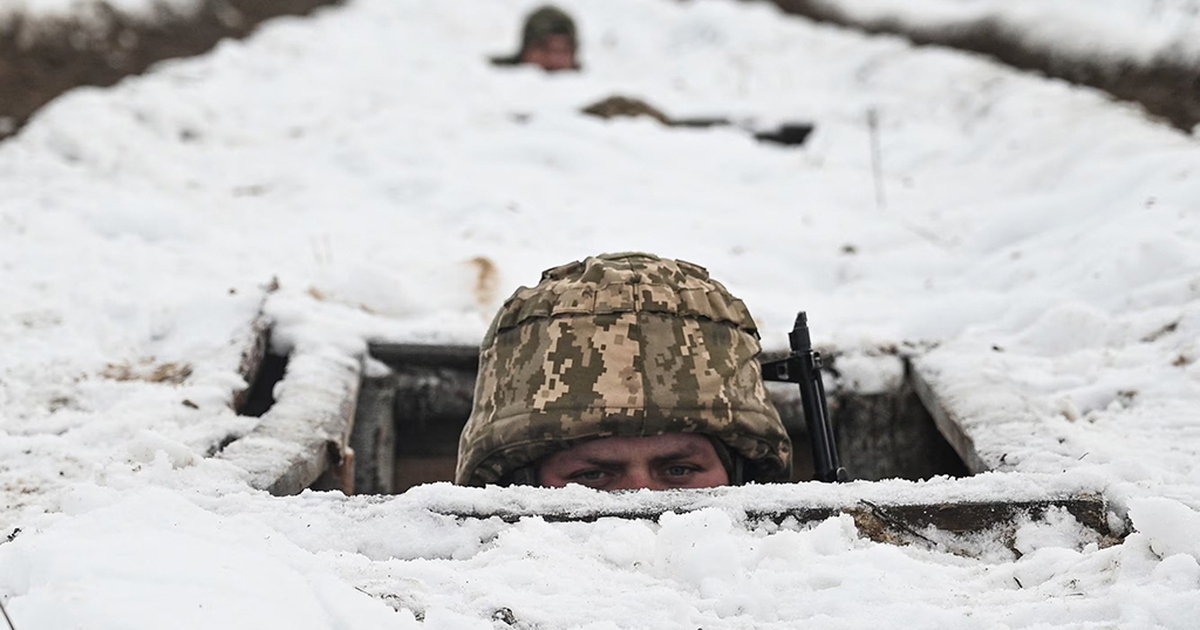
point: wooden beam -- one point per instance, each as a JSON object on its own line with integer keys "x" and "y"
{"x": 427, "y": 355}
{"x": 935, "y": 523}
{"x": 307, "y": 431}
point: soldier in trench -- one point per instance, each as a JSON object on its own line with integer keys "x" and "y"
{"x": 622, "y": 371}
{"x": 549, "y": 40}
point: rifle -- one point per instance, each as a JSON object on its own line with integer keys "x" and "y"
{"x": 6, "y": 617}
{"x": 803, "y": 367}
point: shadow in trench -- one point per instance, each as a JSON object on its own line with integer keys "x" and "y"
{"x": 408, "y": 422}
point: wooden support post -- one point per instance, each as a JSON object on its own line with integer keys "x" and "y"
{"x": 374, "y": 436}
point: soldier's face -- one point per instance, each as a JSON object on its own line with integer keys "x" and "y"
{"x": 553, "y": 52}
{"x": 659, "y": 462}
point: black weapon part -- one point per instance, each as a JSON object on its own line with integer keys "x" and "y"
{"x": 803, "y": 367}
{"x": 6, "y": 617}
{"x": 787, "y": 134}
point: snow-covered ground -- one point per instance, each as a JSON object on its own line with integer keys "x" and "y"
{"x": 1119, "y": 30}
{"x": 1042, "y": 240}
{"x": 90, "y": 9}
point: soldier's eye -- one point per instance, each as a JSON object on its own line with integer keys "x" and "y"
{"x": 589, "y": 475}
{"x": 679, "y": 470}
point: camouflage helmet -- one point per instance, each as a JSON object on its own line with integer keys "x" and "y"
{"x": 544, "y": 22}
{"x": 619, "y": 345}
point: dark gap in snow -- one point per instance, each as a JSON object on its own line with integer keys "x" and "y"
{"x": 220, "y": 445}
{"x": 262, "y": 391}
{"x": 408, "y": 421}
{"x": 880, "y": 434}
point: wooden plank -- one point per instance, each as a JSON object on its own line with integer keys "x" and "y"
{"x": 931, "y": 524}
{"x": 968, "y": 517}
{"x": 307, "y": 431}
{"x": 427, "y": 355}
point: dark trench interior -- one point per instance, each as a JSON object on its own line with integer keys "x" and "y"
{"x": 261, "y": 395}
{"x": 408, "y": 421}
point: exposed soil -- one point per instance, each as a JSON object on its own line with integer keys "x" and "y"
{"x": 1166, "y": 88}
{"x": 41, "y": 58}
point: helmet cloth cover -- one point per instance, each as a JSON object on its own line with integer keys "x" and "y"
{"x": 619, "y": 345}
{"x": 544, "y": 22}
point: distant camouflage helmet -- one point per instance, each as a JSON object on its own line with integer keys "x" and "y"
{"x": 543, "y": 22}
{"x": 619, "y": 345}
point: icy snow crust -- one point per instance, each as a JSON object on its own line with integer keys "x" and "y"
{"x": 1038, "y": 251}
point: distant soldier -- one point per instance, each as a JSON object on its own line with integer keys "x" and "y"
{"x": 549, "y": 40}
{"x": 622, "y": 371}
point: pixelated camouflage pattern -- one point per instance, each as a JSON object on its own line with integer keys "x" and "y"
{"x": 619, "y": 345}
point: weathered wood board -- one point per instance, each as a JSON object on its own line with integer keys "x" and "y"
{"x": 938, "y": 523}
{"x": 306, "y": 434}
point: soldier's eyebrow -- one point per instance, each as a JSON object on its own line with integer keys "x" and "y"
{"x": 685, "y": 452}
{"x": 600, "y": 461}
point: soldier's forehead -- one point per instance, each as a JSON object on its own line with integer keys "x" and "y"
{"x": 665, "y": 445}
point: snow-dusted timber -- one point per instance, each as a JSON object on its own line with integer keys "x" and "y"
{"x": 307, "y": 432}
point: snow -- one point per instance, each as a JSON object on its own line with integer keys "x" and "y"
{"x": 248, "y": 561}
{"x": 1037, "y": 251}
{"x": 1118, "y": 30}
{"x": 91, "y": 9}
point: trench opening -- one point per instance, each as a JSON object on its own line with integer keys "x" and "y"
{"x": 261, "y": 395}
{"x": 883, "y": 435}
{"x": 408, "y": 421}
